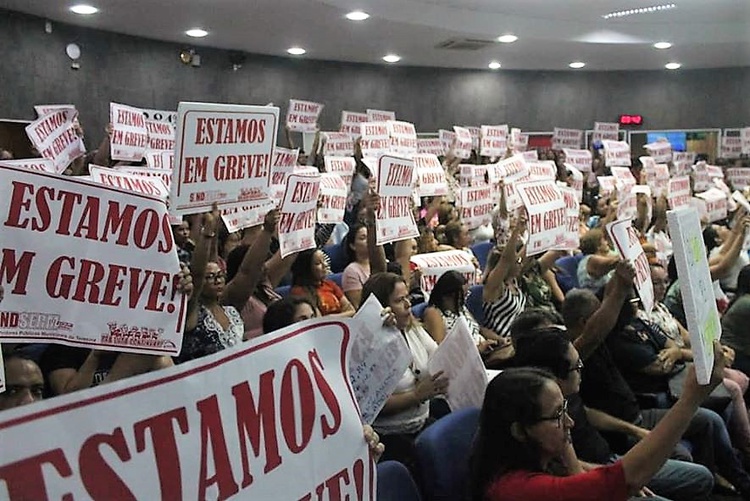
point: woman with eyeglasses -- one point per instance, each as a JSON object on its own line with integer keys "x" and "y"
{"x": 523, "y": 449}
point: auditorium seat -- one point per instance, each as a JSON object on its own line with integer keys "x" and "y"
{"x": 336, "y": 278}
{"x": 395, "y": 483}
{"x": 337, "y": 254}
{"x": 474, "y": 303}
{"x": 283, "y": 290}
{"x": 566, "y": 272}
{"x": 481, "y": 251}
{"x": 418, "y": 310}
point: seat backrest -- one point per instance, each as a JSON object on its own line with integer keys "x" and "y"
{"x": 443, "y": 451}
{"x": 418, "y": 310}
{"x": 283, "y": 290}
{"x": 567, "y": 272}
{"x": 481, "y": 251}
{"x": 395, "y": 483}
{"x": 474, "y": 303}
{"x": 337, "y": 254}
{"x": 336, "y": 278}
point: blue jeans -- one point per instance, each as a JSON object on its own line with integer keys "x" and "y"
{"x": 680, "y": 481}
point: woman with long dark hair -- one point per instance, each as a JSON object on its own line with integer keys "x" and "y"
{"x": 309, "y": 280}
{"x": 735, "y": 324}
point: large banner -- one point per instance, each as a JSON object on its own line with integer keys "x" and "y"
{"x": 433, "y": 265}
{"x": 493, "y": 140}
{"x": 54, "y": 136}
{"x": 547, "y": 215}
{"x": 87, "y": 265}
{"x": 697, "y": 291}
{"x": 297, "y": 223}
{"x": 430, "y": 175}
{"x": 129, "y": 139}
{"x": 223, "y": 155}
{"x": 626, "y": 239}
{"x": 302, "y": 116}
{"x": 566, "y": 138}
{"x": 274, "y": 418}
{"x": 395, "y": 219}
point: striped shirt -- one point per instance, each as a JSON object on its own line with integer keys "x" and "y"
{"x": 499, "y": 314}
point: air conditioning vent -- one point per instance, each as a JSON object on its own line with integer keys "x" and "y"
{"x": 464, "y": 44}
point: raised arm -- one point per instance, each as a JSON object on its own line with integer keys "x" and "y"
{"x": 376, "y": 253}
{"x": 206, "y": 238}
{"x": 721, "y": 268}
{"x": 494, "y": 285}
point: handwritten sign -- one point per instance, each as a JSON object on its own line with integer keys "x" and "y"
{"x": 580, "y": 159}
{"x": 395, "y": 219}
{"x": 493, "y": 140}
{"x": 616, "y": 153}
{"x": 678, "y": 192}
{"x": 380, "y": 115}
{"x": 223, "y": 155}
{"x": 54, "y": 136}
{"x": 566, "y": 138}
{"x": 351, "y": 122}
{"x": 302, "y": 116}
{"x": 463, "y": 144}
{"x": 547, "y": 215}
{"x": 298, "y": 208}
{"x": 433, "y": 265}
{"x": 53, "y": 224}
{"x": 629, "y": 246}
{"x": 609, "y": 131}
{"x": 332, "y": 198}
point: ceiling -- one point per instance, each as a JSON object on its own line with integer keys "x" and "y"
{"x": 552, "y": 33}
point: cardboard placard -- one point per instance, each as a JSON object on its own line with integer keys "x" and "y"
{"x": 151, "y": 186}
{"x": 302, "y": 116}
{"x": 547, "y": 215}
{"x": 395, "y": 219}
{"x": 54, "y": 136}
{"x": 431, "y": 180}
{"x": 463, "y": 144}
{"x": 338, "y": 144}
{"x": 580, "y": 159}
{"x": 476, "y": 204}
{"x": 616, "y": 153}
{"x": 376, "y": 139}
{"x": 493, "y": 140}
{"x": 36, "y": 164}
{"x": 678, "y": 192}
{"x": 629, "y": 246}
{"x": 351, "y": 123}
{"x": 298, "y": 208}
{"x": 431, "y": 146}
{"x": 332, "y": 199}
{"x": 566, "y": 138}
{"x": 129, "y": 139}
{"x": 403, "y": 138}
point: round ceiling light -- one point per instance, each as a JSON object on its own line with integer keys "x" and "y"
{"x": 357, "y": 15}
{"x": 196, "y": 33}
{"x": 577, "y": 65}
{"x": 673, "y": 66}
{"x": 391, "y": 58}
{"x": 507, "y": 38}
{"x": 296, "y": 51}
{"x": 662, "y": 45}
{"x": 494, "y": 65}
{"x": 84, "y": 10}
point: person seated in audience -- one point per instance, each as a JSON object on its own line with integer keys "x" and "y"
{"x": 720, "y": 240}
{"x": 735, "y": 324}
{"x": 533, "y": 319}
{"x": 538, "y": 281}
{"x": 309, "y": 280}
{"x": 185, "y": 246}
{"x": 227, "y": 243}
{"x": 595, "y": 269}
{"x": 24, "y": 383}
{"x": 658, "y": 234}
{"x": 523, "y": 449}
{"x": 407, "y": 411}
{"x": 550, "y": 350}
{"x": 287, "y": 311}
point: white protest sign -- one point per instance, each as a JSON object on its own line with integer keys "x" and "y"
{"x": 246, "y": 215}
{"x": 403, "y": 138}
{"x": 162, "y": 174}
{"x": 575, "y": 180}
{"x": 52, "y": 288}
{"x": 332, "y": 198}
{"x": 46, "y": 109}
{"x": 731, "y": 147}
{"x": 657, "y": 176}
{"x": 338, "y": 143}
{"x": 745, "y": 140}
{"x": 169, "y": 117}
{"x": 739, "y": 177}
{"x": 716, "y": 204}
{"x": 463, "y": 144}
{"x": 606, "y": 130}
{"x": 606, "y": 185}
{"x": 376, "y": 139}
{"x": 547, "y": 215}
{"x": 616, "y": 153}
{"x": 458, "y": 358}
{"x": 476, "y": 204}
{"x": 678, "y": 192}
{"x": 507, "y": 168}
{"x": 566, "y": 138}
{"x": 223, "y": 155}
{"x": 519, "y": 142}
{"x": 380, "y": 115}
{"x": 433, "y": 265}
{"x": 54, "y": 136}
{"x": 160, "y": 135}
{"x": 284, "y": 163}
{"x": 2, "y": 371}
{"x": 395, "y": 219}
{"x": 239, "y": 424}
{"x": 343, "y": 167}
{"x": 302, "y": 116}
{"x": 297, "y": 222}
{"x": 493, "y": 140}
{"x": 37, "y": 164}
{"x": 542, "y": 170}
{"x": 722, "y": 186}
{"x": 430, "y": 175}
{"x": 629, "y": 246}
{"x": 151, "y": 186}
{"x": 571, "y": 237}
{"x": 701, "y": 181}
{"x": 627, "y": 201}
{"x": 475, "y": 132}
{"x": 530, "y": 156}
{"x": 697, "y": 292}
{"x": 660, "y": 151}
{"x": 379, "y": 358}
{"x": 472, "y": 175}
{"x": 447, "y": 139}
{"x": 684, "y": 156}
{"x": 580, "y": 159}
{"x": 129, "y": 139}
{"x": 714, "y": 172}
{"x": 430, "y": 146}
{"x": 740, "y": 199}
{"x": 160, "y": 159}
{"x": 351, "y": 122}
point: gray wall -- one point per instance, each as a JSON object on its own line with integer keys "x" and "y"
{"x": 148, "y": 74}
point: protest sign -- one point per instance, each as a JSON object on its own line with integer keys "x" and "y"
{"x": 297, "y": 222}
{"x": 684, "y": 156}
{"x": 430, "y": 146}
{"x": 616, "y": 153}
{"x": 351, "y": 122}
{"x": 151, "y": 186}
{"x": 575, "y": 180}
{"x": 580, "y": 159}
{"x": 380, "y": 115}
{"x": 162, "y": 174}
{"x": 403, "y": 138}
{"x": 332, "y": 198}
{"x": 657, "y": 176}
{"x": 338, "y": 143}
{"x": 507, "y": 168}
{"x": 566, "y": 138}
{"x": 606, "y": 185}
{"x": 246, "y": 214}
{"x": 745, "y": 140}
{"x": 447, "y": 139}
{"x": 530, "y": 156}
{"x": 571, "y": 238}
{"x": 379, "y": 358}
{"x": 547, "y": 215}
{"x": 169, "y": 117}
{"x": 609, "y": 131}
{"x": 376, "y": 139}
{"x": 46, "y": 109}
{"x": 163, "y": 159}
{"x": 343, "y": 167}
{"x": 238, "y": 424}
{"x": 2, "y": 371}
{"x": 458, "y": 358}
{"x": 731, "y": 147}
{"x": 129, "y": 139}
{"x": 395, "y": 219}
{"x": 476, "y": 133}
{"x": 433, "y": 265}
{"x": 629, "y": 246}
{"x": 52, "y": 224}
{"x": 660, "y": 151}
{"x": 739, "y": 177}
{"x": 37, "y": 164}
{"x": 430, "y": 175}
{"x": 160, "y": 135}
{"x": 54, "y": 136}
{"x": 472, "y": 175}
{"x": 701, "y": 181}
{"x": 716, "y": 204}
{"x": 476, "y": 205}
{"x": 627, "y": 201}
{"x": 697, "y": 292}
{"x": 678, "y": 192}
{"x": 284, "y": 163}
{"x": 493, "y": 140}
{"x": 223, "y": 155}
{"x": 714, "y": 172}
{"x": 519, "y": 142}
{"x": 542, "y": 170}
{"x": 721, "y": 186}
{"x": 302, "y": 116}
{"x": 463, "y": 143}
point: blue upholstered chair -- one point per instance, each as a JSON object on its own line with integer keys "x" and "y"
{"x": 395, "y": 483}
{"x": 337, "y": 254}
{"x": 474, "y": 303}
{"x": 567, "y": 272}
{"x": 481, "y": 251}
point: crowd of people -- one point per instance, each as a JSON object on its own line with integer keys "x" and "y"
{"x": 597, "y": 397}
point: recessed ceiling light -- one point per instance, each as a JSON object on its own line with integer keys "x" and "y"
{"x": 84, "y": 10}
{"x": 296, "y": 51}
{"x": 642, "y": 10}
{"x": 507, "y": 38}
{"x": 196, "y": 33}
{"x": 673, "y": 66}
{"x": 391, "y": 58}
{"x": 357, "y": 15}
{"x": 662, "y": 45}
{"x": 576, "y": 65}
{"x": 494, "y": 65}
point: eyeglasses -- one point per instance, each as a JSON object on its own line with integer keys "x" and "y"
{"x": 577, "y": 367}
{"x": 559, "y": 415}
{"x": 215, "y": 277}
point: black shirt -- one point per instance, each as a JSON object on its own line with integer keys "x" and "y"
{"x": 590, "y": 446}
{"x": 634, "y": 348}
{"x": 604, "y": 388}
